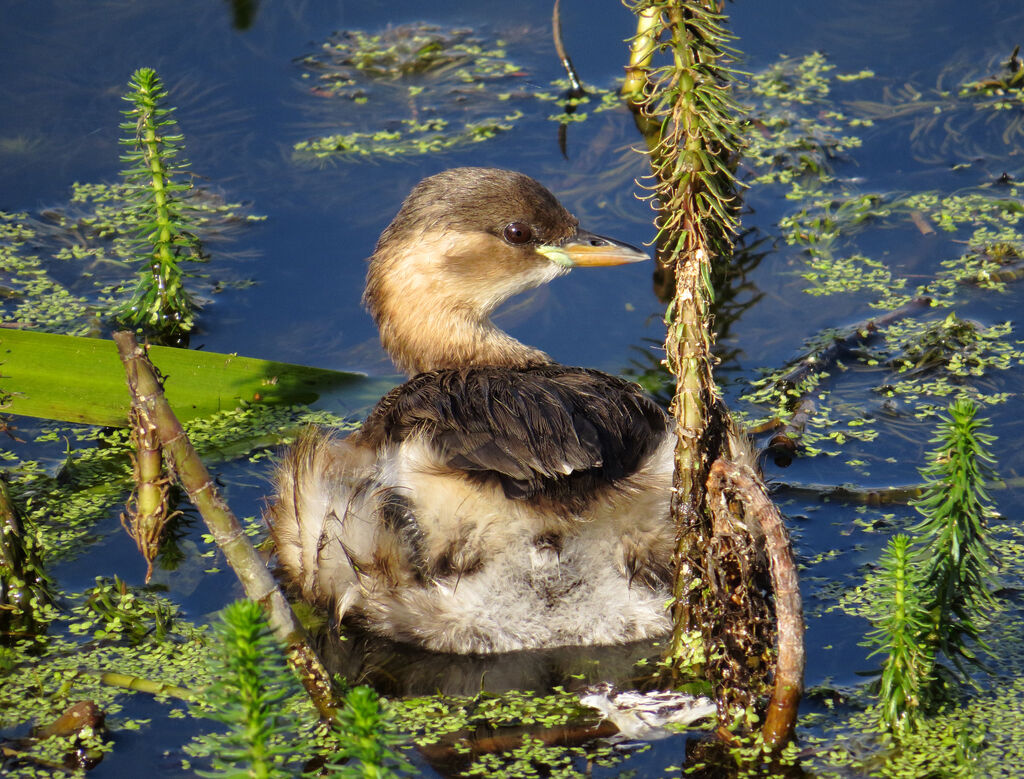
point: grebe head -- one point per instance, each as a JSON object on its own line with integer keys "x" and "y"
{"x": 463, "y": 242}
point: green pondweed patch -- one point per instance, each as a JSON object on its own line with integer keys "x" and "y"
{"x": 428, "y": 719}
{"x": 108, "y": 627}
{"x": 348, "y": 58}
{"x": 408, "y": 136}
{"x": 795, "y": 131}
{"x": 450, "y": 86}
{"x": 67, "y": 270}
{"x": 419, "y": 88}
{"x": 914, "y": 361}
{"x": 62, "y": 504}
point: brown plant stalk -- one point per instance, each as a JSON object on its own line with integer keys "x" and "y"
{"x": 154, "y": 411}
{"x": 688, "y": 119}
{"x": 147, "y": 512}
{"x": 740, "y": 483}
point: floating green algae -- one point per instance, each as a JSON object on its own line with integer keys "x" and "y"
{"x": 66, "y": 270}
{"x": 798, "y": 137}
{"x": 419, "y": 88}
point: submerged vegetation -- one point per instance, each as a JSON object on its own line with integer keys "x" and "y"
{"x": 422, "y": 68}
{"x": 861, "y": 394}
{"x": 914, "y": 346}
{"x": 417, "y": 89}
{"x": 855, "y": 389}
{"x": 69, "y": 270}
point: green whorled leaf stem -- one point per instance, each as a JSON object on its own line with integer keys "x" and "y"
{"x": 160, "y": 303}
{"x": 954, "y": 553}
{"x": 900, "y": 634}
{"x": 940, "y": 585}
{"x": 367, "y": 750}
{"x": 688, "y": 119}
{"x": 250, "y": 682}
{"x": 695, "y": 190}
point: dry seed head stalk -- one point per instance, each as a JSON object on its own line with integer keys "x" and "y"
{"x": 147, "y": 511}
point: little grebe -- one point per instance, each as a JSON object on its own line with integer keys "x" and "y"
{"x": 497, "y": 500}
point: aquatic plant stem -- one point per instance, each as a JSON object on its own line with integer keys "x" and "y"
{"x": 251, "y": 684}
{"x": 138, "y": 684}
{"x": 728, "y": 478}
{"x": 907, "y": 670}
{"x": 260, "y": 586}
{"x": 722, "y": 619}
{"x": 147, "y": 512}
{"x": 955, "y": 553}
{"x": 575, "y": 87}
{"x": 23, "y": 582}
{"x": 688, "y": 351}
{"x": 685, "y": 106}
{"x": 160, "y": 302}
{"x": 941, "y": 586}
{"x": 641, "y": 50}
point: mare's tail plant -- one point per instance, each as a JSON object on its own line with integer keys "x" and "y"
{"x": 688, "y": 101}
{"x": 367, "y": 749}
{"x": 954, "y": 553}
{"x": 250, "y": 682}
{"x": 939, "y": 588}
{"x": 155, "y": 173}
{"x": 687, "y": 105}
{"x": 730, "y": 536}
{"x": 900, "y": 633}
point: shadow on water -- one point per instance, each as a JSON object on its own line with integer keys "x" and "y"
{"x": 402, "y": 670}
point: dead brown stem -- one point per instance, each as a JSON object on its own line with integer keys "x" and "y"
{"x": 458, "y": 751}
{"x": 575, "y": 87}
{"x": 849, "y": 493}
{"x": 857, "y": 335}
{"x": 147, "y": 512}
{"x": 148, "y": 397}
{"x": 740, "y": 482}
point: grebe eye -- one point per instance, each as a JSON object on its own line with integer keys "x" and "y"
{"x": 518, "y": 232}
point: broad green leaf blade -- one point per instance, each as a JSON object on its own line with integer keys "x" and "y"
{"x": 73, "y": 379}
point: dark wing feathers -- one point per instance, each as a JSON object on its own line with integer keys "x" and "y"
{"x": 549, "y": 432}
